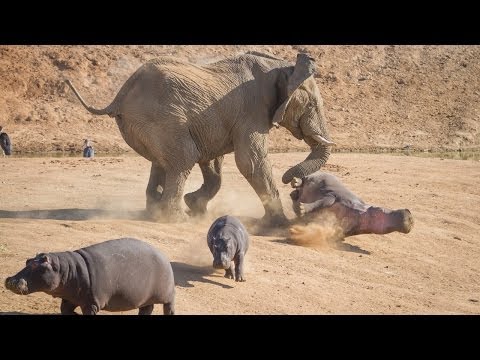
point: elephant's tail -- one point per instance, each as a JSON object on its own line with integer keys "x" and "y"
{"x": 106, "y": 111}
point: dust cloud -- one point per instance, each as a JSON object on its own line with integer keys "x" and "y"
{"x": 196, "y": 251}
{"x": 323, "y": 233}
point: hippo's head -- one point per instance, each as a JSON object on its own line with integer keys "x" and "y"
{"x": 223, "y": 250}
{"x": 39, "y": 274}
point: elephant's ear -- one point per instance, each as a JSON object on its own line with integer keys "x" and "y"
{"x": 304, "y": 68}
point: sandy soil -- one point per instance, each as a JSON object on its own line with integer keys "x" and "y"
{"x": 58, "y": 204}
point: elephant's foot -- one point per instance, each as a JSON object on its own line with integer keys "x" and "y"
{"x": 275, "y": 220}
{"x": 174, "y": 216}
{"x": 153, "y": 203}
{"x": 166, "y": 215}
{"x": 274, "y": 216}
{"x": 197, "y": 204}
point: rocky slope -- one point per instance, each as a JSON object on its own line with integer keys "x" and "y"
{"x": 376, "y": 97}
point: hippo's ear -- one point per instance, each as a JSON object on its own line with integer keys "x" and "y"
{"x": 45, "y": 258}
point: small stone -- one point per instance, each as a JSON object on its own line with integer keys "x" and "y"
{"x": 457, "y": 238}
{"x": 473, "y": 300}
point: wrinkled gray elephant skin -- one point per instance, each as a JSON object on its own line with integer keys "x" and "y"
{"x": 320, "y": 193}
{"x": 115, "y": 275}
{"x": 177, "y": 114}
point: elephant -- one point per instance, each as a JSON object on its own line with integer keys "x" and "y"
{"x": 177, "y": 114}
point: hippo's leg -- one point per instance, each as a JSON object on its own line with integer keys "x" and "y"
{"x": 239, "y": 275}
{"x": 145, "y": 310}
{"x": 67, "y": 308}
{"x": 326, "y": 201}
{"x": 169, "y": 308}
{"x": 296, "y": 182}
{"x": 294, "y": 195}
{"x": 229, "y": 272}
{"x": 212, "y": 178}
{"x": 90, "y": 309}
{"x": 301, "y": 208}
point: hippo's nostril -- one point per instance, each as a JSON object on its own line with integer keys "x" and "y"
{"x": 406, "y": 221}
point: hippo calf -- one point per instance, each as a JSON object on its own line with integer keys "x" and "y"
{"x": 115, "y": 275}
{"x": 320, "y": 192}
{"x": 228, "y": 241}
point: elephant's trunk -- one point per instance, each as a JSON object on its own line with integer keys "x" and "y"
{"x": 314, "y": 161}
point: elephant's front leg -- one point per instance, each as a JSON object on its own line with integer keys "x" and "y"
{"x": 212, "y": 178}
{"x": 157, "y": 178}
{"x": 253, "y": 163}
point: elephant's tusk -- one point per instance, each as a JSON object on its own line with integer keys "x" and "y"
{"x": 276, "y": 124}
{"x": 322, "y": 140}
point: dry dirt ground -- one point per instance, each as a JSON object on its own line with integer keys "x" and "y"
{"x": 58, "y": 204}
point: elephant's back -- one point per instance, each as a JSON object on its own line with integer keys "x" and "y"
{"x": 169, "y": 85}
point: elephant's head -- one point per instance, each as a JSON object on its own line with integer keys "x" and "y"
{"x": 299, "y": 108}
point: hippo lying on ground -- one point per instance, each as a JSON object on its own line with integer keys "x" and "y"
{"x": 228, "y": 241}
{"x": 115, "y": 275}
{"x": 320, "y": 193}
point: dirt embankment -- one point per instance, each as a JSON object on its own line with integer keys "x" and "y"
{"x": 376, "y": 97}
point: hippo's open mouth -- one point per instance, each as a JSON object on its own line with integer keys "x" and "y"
{"x": 17, "y": 286}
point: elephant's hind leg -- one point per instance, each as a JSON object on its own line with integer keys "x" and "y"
{"x": 170, "y": 207}
{"x": 157, "y": 178}
{"x": 212, "y": 176}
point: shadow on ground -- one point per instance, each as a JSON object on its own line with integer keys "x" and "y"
{"x": 257, "y": 227}
{"x": 185, "y": 273}
{"x": 75, "y": 214}
{"x": 13, "y": 313}
{"x": 336, "y": 246}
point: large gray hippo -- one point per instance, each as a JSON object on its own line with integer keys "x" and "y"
{"x": 228, "y": 241}
{"x": 320, "y": 193}
{"x": 115, "y": 275}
